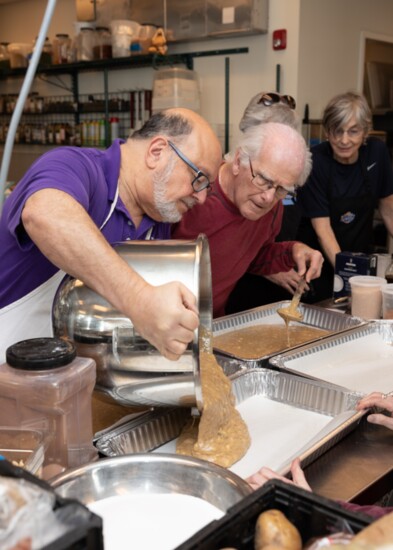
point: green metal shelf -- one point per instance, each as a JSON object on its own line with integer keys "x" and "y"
{"x": 136, "y": 61}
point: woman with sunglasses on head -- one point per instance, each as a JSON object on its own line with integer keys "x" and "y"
{"x": 351, "y": 176}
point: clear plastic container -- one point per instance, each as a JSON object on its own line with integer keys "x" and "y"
{"x": 176, "y": 87}
{"x": 387, "y": 301}
{"x": 19, "y": 54}
{"x": 85, "y": 44}
{"x": 45, "y": 387}
{"x": 24, "y": 448}
{"x": 366, "y": 293}
{"x": 123, "y": 33}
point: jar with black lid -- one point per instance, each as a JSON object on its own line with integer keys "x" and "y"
{"x": 44, "y": 386}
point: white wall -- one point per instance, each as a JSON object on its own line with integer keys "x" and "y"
{"x": 329, "y": 46}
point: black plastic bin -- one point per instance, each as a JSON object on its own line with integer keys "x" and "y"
{"x": 314, "y": 516}
{"x": 85, "y": 531}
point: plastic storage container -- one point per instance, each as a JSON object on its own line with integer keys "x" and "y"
{"x": 19, "y": 54}
{"x": 176, "y": 87}
{"x": 123, "y": 32}
{"x": 366, "y": 293}
{"x": 387, "y": 301}
{"x": 313, "y": 515}
{"x": 23, "y": 448}
{"x": 81, "y": 528}
{"x": 86, "y": 41}
{"x": 45, "y": 387}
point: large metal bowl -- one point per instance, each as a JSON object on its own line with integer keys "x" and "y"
{"x": 152, "y": 473}
{"x": 152, "y": 500}
{"x": 129, "y": 368}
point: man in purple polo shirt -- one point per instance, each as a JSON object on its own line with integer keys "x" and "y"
{"x": 73, "y": 203}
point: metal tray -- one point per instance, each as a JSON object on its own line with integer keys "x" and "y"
{"x": 333, "y": 321}
{"x": 158, "y": 429}
{"x": 360, "y": 359}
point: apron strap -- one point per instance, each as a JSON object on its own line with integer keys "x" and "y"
{"x": 113, "y": 206}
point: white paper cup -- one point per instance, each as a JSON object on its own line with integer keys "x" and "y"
{"x": 366, "y": 292}
{"x": 383, "y": 261}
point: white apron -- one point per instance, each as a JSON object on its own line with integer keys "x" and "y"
{"x": 31, "y": 315}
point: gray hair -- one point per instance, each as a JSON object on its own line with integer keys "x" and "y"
{"x": 256, "y": 113}
{"x": 167, "y": 123}
{"x": 341, "y": 108}
{"x": 252, "y": 141}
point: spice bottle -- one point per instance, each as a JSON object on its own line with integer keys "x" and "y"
{"x": 45, "y": 387}
{"x": 114, "y": 126}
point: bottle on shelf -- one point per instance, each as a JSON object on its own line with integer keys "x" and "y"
{"x": 389, "y": 272}
{"x": 85, "y": 45}
{"x": 114, "y": 126}
{"x": 61, "y": 47}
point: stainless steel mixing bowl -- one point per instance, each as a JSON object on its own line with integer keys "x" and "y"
{"x": 129, "y": 368}
{"x": 152, "y": 473}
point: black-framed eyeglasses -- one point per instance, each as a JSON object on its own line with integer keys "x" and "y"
{"x": 270, "y": 98}
{"x": 264, "y": 185}
{"x": 201, "y": 181}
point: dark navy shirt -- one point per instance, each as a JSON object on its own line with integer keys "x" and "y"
{"x": 347, "y": 179}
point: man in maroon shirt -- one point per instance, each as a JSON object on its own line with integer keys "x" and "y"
{"x": 242, "y": 215}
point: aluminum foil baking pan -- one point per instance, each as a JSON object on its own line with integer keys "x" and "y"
{"x": 360, "y": 359}
{"x": 153, "y": 430}
{"x": 333, "y": 321}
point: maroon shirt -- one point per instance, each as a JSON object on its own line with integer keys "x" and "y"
{"x": 237, "y": 245}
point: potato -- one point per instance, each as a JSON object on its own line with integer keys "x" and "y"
{"x": 375, "y": 535}
{"x": 273, "y": 530}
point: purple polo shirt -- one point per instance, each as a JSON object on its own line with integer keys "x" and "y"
{"x": 90, "y": 177}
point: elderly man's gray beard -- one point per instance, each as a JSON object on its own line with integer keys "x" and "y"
{"x": 167, "y": 209}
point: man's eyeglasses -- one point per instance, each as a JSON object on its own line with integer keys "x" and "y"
{"x": 264, "y": 185}
{"x": 353, "y": 133}
{"x": 201, "y": 181}
{"x": 270, "y": 98}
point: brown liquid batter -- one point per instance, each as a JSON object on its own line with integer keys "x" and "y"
{"x": 220, "y": 435}
{"x": 260, "y": 340}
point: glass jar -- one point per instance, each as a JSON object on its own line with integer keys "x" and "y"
{"x": 103, "y": 45}
{"x": 46, "y": 52}
{"x": 61, "y": 47}
{"x": 85, "y": 45}
{"x": 4, "y": 56}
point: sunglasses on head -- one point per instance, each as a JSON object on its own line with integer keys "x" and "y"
{"x": 270, "y": 98}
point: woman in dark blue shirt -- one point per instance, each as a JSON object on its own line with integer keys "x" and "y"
{"x": 351, "y": 176}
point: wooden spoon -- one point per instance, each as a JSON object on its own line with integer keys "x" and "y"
{"x": 291, "y": 313}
